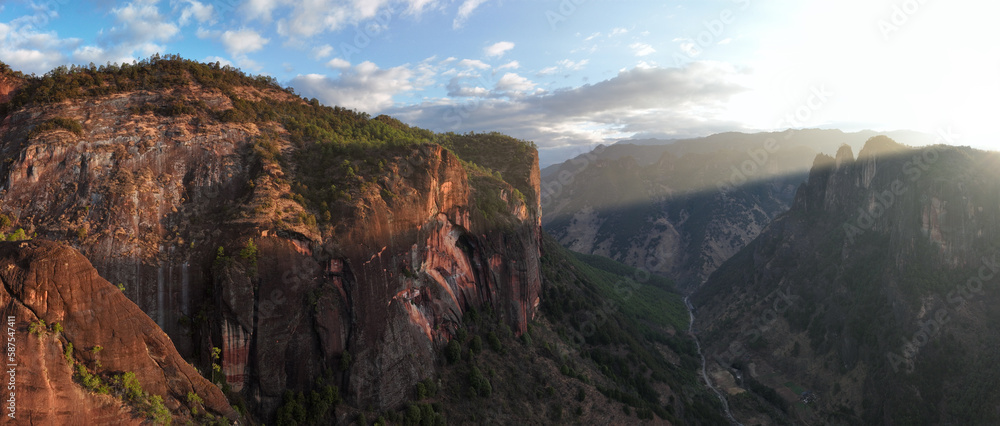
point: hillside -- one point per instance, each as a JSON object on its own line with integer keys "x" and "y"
{"x": 235, "y": 213}
{"x": 880, "y": 276}
{"x": 682, "y": 208}
{"x": 321, "y": 266}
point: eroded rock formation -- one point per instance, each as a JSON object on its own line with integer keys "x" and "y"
{"x": 50, "y": 282}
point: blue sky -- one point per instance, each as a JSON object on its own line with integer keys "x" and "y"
{"x": 567, "y": 74}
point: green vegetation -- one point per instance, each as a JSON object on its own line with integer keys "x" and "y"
{"x": 68, "y": 353}
{"x": 618, "y": 323}
{"x": 152, "y": 74}
{"x": 316, "y": 408}
{"x": 38, "y": 328}
{"x": 370, "y": 152}
{"x": 58, "y": 123}
{"x": 249, "y": 252}
{"x": 127, "y": 386}
{"x": 18, "y": 235}
{"x": 479, "y": 384}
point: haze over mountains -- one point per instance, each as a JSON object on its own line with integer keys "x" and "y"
{"x": 681, "y": 208}
{"x": 299, "y": 264}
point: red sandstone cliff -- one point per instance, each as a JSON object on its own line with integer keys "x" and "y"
{"x": 149, "y": 198}
{"x": 51, "y": 282}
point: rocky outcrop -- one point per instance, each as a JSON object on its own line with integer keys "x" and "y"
{"x": 882, "y": 275}
{"x": 45, "y": 284}
{"x": 389, "y": 290}
{"x": 150, "y": 196}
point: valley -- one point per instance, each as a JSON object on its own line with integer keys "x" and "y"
{"x": 289, "y": 263}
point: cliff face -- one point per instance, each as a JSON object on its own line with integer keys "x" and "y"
{"x": 390, "y": 290}
{"x": 46, "y": 281}
{"x": 150, "y": 196}
{"x": 881, "y": 276}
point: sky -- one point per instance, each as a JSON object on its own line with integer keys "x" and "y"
{"x": 568, "y": 74}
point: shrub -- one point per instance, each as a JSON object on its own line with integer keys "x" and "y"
{"x": 58, "y": 123}
{"x": 476, "y": 345}
{"x": 38, "y": 328}
{"x": 479, "y": 383}
{"x": 18, "y": 235}
{"x": 249, "y": 252}
{"x": 494, "y": 342}
{"x": 453, "y": 352}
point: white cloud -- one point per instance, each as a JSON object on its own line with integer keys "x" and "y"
{"x": 662, "y": 102}
{"x": 242, "y": 41}
{"x": 512, "y": 83}
{"x": 197, "y": 10}
{"x": 618, "y": 31}
{"x": 512, "y": 65}
{"x": 574, "y": 66}
{"x": 417, "y": 6}
{"x": 338, "y": 63}
{"x": 464, "y": 11}
{"x": 566, "y": 65}
{"x": 473, "y": 63}
{"x": 259, "y": 9}
{"x": 222, "y": 61}
{"x": 642, "y": 49}
{"x": 498, "y": 49}
{"x": 688, "y": 46}
{"x": 548, "y": 71}
{"x": 365, "y": 87}
{"x": 87, "y": 54}
{"x": 309, "y": 18}
{"x": 25, "y": 48}
{"x": 140, "y": 23}
{"x": 323, "y": 51}
{"x": 457, "y": 90}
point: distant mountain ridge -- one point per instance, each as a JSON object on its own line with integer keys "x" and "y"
{"x": 685, "y": 210}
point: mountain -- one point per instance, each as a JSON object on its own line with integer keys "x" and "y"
{"x": 682, "y": 208}
{"x": 320, "y": 265}
{"x": 882, "y": 276}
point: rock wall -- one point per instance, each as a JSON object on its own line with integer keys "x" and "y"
{"x": 47, "y": 281}
{"x": 149, "y": 199}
